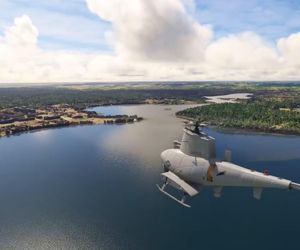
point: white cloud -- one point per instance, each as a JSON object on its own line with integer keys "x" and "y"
{"x": 23, "y": 33}
{"x": 154, "y": 31}
{"x": 16, "y": 48}
{"x": 289, "y": 48}
{"x": 244, "y": 50}
{"x": 243, "y": 56}
{"x": 151, "y": 41}
{"x": 60, "y": 23}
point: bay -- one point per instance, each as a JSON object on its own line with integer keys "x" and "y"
{"x": 93, "y": 187}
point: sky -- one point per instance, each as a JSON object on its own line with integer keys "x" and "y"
{"x": 44, "y": 41}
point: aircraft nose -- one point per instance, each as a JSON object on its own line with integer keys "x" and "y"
{"x": 163, "y": 156}
{"x": 165, "y": 160}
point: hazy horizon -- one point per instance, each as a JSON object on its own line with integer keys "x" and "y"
{"x": 56, "y": 84}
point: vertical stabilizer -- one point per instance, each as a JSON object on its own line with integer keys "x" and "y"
{"x": 198, "y": 144}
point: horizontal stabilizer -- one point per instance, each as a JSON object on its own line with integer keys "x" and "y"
{"x": 181, "y": 183}
{"x": 257, "y": 192}
{"x": 218, "y": 192}
{"x": 227, "y": 155}
{"x": 295, "y": 186}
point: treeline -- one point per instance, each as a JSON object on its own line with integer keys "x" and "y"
{"x": 259, "y": 115}
{"x": 36, "y": 96}
{"x": 11, "y": 97}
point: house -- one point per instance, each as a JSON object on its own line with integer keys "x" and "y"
{"x": 51, "y": 117}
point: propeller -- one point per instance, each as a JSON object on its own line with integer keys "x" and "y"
{"x": 196, "y": 126}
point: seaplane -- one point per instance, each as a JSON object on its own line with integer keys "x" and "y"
{"x": 191, "y": 165}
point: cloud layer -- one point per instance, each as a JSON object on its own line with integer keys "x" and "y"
{"x": 150, "y": 40}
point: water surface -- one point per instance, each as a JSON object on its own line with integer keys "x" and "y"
{"x": 93, "y": 187}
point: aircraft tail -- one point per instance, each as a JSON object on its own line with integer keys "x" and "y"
{"x": 294, "y": 185}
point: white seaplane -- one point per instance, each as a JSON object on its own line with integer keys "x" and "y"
{"x": 191, "y": 165}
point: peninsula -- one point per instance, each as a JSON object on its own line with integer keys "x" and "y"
{"x": 276, "y": 114}
{"x": 22, "y": 119}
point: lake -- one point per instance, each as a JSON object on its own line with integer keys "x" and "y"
{"x": 93, "y": 187}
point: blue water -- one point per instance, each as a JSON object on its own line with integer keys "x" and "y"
{"x": 93, "y": 187}
{"x": 114, "y": 110}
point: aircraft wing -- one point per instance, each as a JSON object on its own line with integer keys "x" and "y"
{"x": 191, "y": 191}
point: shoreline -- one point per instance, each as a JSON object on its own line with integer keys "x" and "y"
{"x": 92, "y": 118}
{"x": 124, "y": 119}
{"x": 269, "y": 131}
{"x": 56, "y": 127}
{"x": 20, "y": 120}
{"x": 146, "y": 102}
{"x": 109, "y": 122}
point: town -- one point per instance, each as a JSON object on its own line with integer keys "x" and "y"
{"x": 22, "y": 119}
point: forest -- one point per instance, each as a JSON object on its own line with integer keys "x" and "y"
{"x": 92, "y": 94}
{"x": 263, "y": 114}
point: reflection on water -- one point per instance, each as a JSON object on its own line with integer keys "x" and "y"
{"x": 145, "y": 139}
{"x": 93, "y": 187}
{"x": 161, "y": 127}
{"x": 253, "y": 146}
